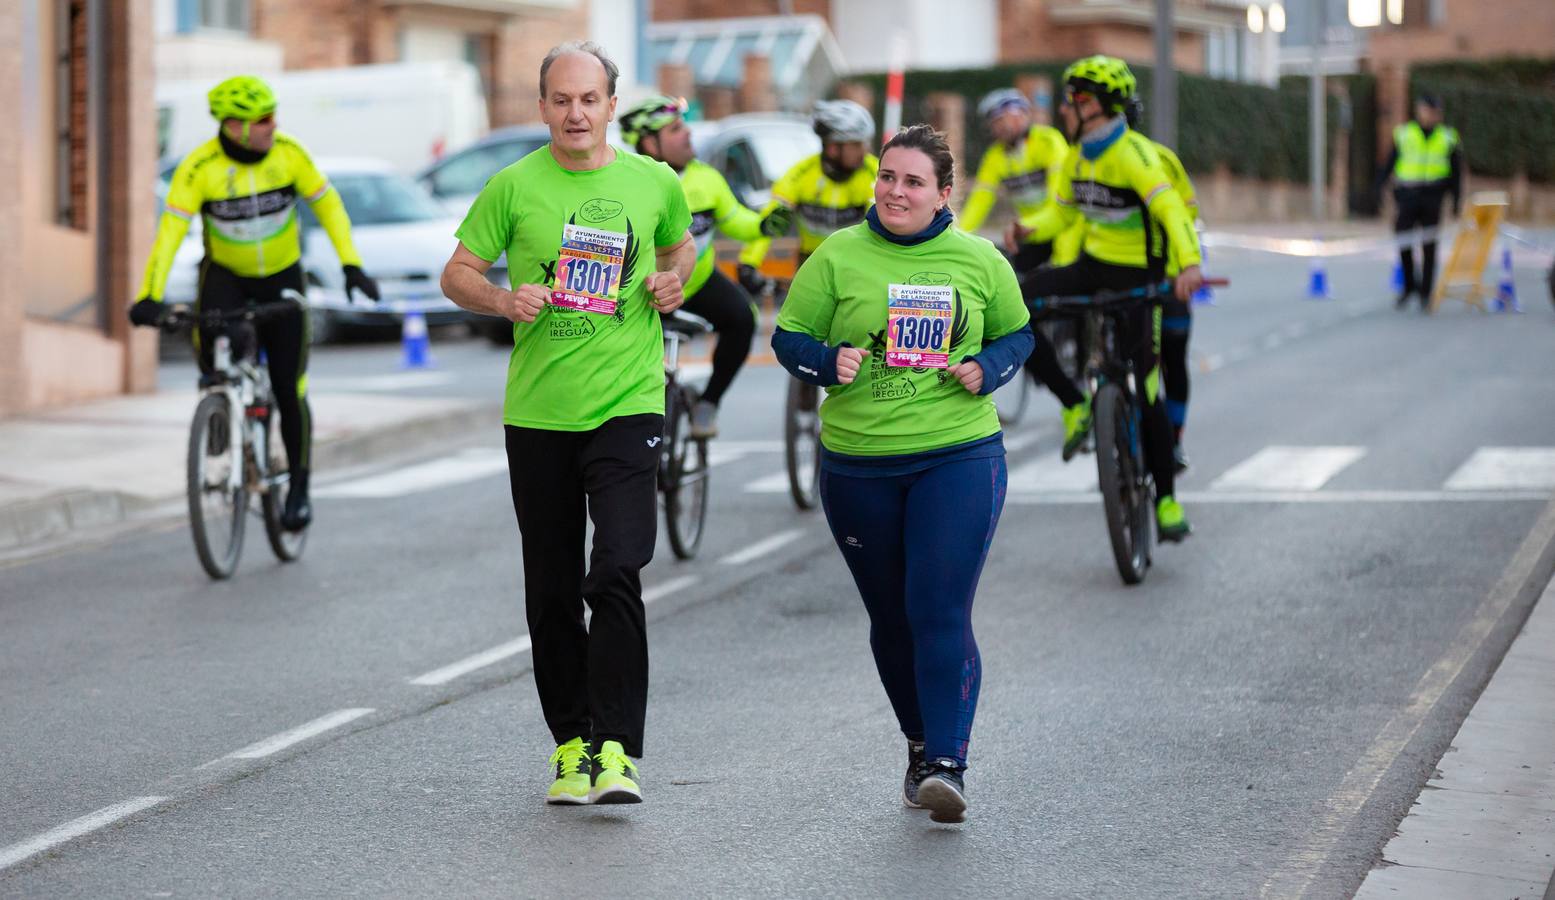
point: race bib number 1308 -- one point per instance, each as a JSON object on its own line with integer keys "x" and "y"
{"x": 588, "y": 270}
{"x": 918, "y": 323}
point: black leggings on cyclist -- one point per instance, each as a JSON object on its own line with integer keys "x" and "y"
{"x": 1043, "y": 363}
{"x": 1176, "y": 328}
{"x": 732, "y": 314}
{"x": 283, "y": 337}
{"x": 1139, "y": 337}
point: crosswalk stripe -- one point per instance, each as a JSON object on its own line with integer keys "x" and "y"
{"x": 467, "y": 465}
{"x": 1287, "y": 469}
{"x": 1049, "y": 473}
{"x": 776, "y": 483}
{"x": 1505, "y": 468}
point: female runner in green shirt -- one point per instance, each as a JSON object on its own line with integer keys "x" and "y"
{"x": 910, "y": 325}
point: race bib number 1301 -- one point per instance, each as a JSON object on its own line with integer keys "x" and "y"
{"x": 918, "y": 322}
{"x": 588, "y": 271}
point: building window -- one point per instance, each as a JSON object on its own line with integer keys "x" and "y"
{"x": 71, "y": 114}
{"x": 213, "y": 15}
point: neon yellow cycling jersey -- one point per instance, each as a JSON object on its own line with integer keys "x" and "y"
{"x": 1123, "y": 196}
{"x": 821, "y": 205}
{"x": 713, "y": 205}
{"x": 249, "y": 212}
{"x": 1178, "y": 176}
{"x": 1023, "y": 172}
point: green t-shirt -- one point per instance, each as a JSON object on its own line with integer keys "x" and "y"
{"x": 842, "y": 294}
{"x": 572, "y": 369}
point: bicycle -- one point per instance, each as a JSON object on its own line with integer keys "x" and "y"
{"x": 1127, "y": 490}
{"x": 683, "y": 459}
{"x": 231, "y": 439}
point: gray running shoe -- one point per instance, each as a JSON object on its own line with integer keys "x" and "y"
{"x": 704, "y": 420}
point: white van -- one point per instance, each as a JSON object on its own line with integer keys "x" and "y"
{"x": 408, "y": 114}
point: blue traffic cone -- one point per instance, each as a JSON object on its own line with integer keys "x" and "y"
{"x": 1317, "y": 283}
{"x": 415, "y": 344}
{"x": 1506, "y": 288}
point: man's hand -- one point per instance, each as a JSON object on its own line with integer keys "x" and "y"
{"x": 752, "y": 280}
{"x": 146, "y": 311}
{"x": 970, "y": 374}
{"x": 1012, "y": 236}
{"x": 357, "y": 280}
{"x": 848, "y": 361}
{"x": 526, "y": 302}
{"x": 665, "y": 291}
{"x": 1189, "y": 281}
{"x": 777, "y": 222}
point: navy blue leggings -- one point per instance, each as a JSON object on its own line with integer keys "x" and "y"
{"x": 916, "y": 544}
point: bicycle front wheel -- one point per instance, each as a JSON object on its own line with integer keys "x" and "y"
{"x": 1124, "y": 490}
{"x": 802, "y": 443}
{"x": 217, "y": 501}
{"x": 685, "y": 488}
{"x": 287, "y": 545}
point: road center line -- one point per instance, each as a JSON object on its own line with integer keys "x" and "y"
{"x": 762, "y": 547}
{"x": 278, "y": 742}
{"x": 10, "y": 856}
{"x": 471, "y": 663}
{"x": 521, "y": 644}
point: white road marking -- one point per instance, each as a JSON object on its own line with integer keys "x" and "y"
{"x": 769, "y": 484}
{"x": 1287, "y": 469}
{"x": 523, "y": 643}
{"x": 471, "y": 663}
{"x": 720, "y": 452}
{"x": 278, "y": 742}
{"x": 763, "y": 547}
{"x": 467, "y": 465}
{"x": 1072, "y": 498}
{"x": 1505, "y": 468}
{"x": 1050, "y": 474}
{"x": 669, "y": 587}
{"x": 396, "y": 381}
{"x": 10, "y": 856}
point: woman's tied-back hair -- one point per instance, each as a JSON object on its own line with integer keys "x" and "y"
{"x": 589, "y": 47}
{"x": 930, "y": 143}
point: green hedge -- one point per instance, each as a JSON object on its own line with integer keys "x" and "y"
{"x": 1523, "y": 72}
{"x": 1505, "y": 129}
{"x": 1254, "y": 130}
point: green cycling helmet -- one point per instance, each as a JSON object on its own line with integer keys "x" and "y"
{"x": 1106, "y": 77}
{"x": 649, "y": 115}
{"x": 243, "y": 97}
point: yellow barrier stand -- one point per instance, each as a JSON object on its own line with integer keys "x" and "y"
{"x": 1471, "y": 251}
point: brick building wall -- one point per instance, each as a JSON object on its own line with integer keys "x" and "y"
{"x": 329, "y": 33}
{"x": 1027, "y": 33}
{"x": 677, "y": 10}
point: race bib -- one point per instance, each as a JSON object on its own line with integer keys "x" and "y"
{"x": 588, "y": 270}
{"x": 918, "y": 320}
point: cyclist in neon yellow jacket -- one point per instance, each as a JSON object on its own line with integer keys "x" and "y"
{"x": 1137, "y": 229}
{"x": 244, "y": 184}
{"x": 1020, "y": 163}
{"x": 656, "y": 128}
{"x": 827, "y": 192}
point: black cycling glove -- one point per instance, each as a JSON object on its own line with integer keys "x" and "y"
{"x": 146, "y": 311}
{"x": 777, "y": 222}
{"x": 752, "y": 280}
{"x": 358, "y": 280}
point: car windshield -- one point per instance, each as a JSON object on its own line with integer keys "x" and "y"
{"x": 779, "y": 148}
{"x": 380, "y": 198}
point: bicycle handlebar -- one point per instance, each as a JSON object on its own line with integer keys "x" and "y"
{"x": 178, "y": 318}
{"x": 1106, "y": 299}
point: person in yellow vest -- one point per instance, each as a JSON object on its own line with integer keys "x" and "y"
{"x": 1426, "y": 165}
{"x": 1019, "y": 163}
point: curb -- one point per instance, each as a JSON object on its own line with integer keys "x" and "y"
{"x": 48, "y": 519}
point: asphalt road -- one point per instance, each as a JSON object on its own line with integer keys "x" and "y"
{"x": 1253, "y": 719}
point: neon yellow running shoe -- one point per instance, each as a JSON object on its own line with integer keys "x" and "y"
{"x": 1170, "y": 521}
{"x": 611, "y": 782}
{"x": 573, "y": 770}
{"x": 1077, "y": 425}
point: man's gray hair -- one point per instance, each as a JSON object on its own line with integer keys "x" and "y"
{"x": 589, "y": 47}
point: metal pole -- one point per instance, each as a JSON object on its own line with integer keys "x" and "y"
{"x": 1163, "y": 102}
{"x": 1317, "y": 166}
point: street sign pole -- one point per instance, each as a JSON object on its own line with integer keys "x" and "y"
{"x": 1163, "y": 100}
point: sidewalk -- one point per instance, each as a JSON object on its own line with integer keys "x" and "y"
{"x": 1484, "y": 827}
{"x": 88, "y": 466}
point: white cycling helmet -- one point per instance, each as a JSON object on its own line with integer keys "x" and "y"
{"x": 843, "y": 120}
{"x": 996, "y": 102}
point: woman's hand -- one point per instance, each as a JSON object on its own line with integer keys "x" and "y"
{"x": 848, "y": 361}
{"x": 970, "y": 374}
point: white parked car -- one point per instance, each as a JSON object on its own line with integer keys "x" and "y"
{"x": 403, "y": 235}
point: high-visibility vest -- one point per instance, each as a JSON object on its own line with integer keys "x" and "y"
{"x": 1421, "y": 159}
